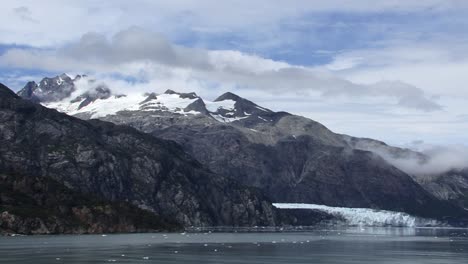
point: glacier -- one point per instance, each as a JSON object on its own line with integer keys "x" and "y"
{"x": 365, "y": 216}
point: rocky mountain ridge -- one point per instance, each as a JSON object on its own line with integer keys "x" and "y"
{"x": 40, "y": 205}
{"x": 119, "y": 163}
{"x": 291, "y": 158}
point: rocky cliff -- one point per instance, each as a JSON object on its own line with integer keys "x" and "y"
{"x": 119, "y": 163}
{"x": 290, "y": 158}
{"x": 40, "y": 205}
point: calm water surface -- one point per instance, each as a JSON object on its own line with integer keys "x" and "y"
{"x": 357, "y": 245}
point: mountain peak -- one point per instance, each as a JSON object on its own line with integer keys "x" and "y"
{"x": 170, "y": 91}
{"x": 28, "y": 91}
{"x": 79, "y": 77}
{"x": 241, "y": 103}
{"x": 182, "y": 95}
{"x": 56, "y": 81}
{"x": 64, "y": 76}
{"x": 230, "y": 107}
{"x": 228, "y": 96}
{"x": 100, "y": 92}
{"x": 48, "y": 89}
{"x": 5, "y": 92}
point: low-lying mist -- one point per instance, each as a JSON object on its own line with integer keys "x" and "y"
{"x": 422, "y": 159}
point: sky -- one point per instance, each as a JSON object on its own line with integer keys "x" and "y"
{"x": 390, "y": 70}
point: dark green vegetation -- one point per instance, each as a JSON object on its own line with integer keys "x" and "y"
{"x": 40, "y": 205}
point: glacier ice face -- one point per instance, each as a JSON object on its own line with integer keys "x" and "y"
{"x": 365, "y": 216}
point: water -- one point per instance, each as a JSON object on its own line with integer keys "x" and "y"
{"x": 357, "y": 245}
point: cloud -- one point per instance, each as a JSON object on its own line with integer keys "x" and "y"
{"x": 438, "y": 67}
{"x": 439, "y": 160}
{"x": 342, "y": 63}
{"x": 150, "y": 56}
{"x": 63, "y": 20}
{"x": 24, "y": 13}
{"x": 353, "y": 49}
{"x": 134, "y": 44}
{"x": 420, "y": 159}
{"x": 408, "y": 96}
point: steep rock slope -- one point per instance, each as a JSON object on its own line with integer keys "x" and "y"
{"x": 292, "y": 158}
{"x": 302, "y": 170}
{"x": 119, "y": 163}
{"x": 40, "y": 205}
{"x": 450, "y": 186}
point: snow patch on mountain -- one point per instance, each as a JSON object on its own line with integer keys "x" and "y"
{"x": 169, "y": 102}
{"x": 227, "y": 113}
{"x": 132, "y": 102}
{"x": 365, "y": 216}
{"x": 100, "y": 107}
{"x": 227, "y": 119}
{"x": 228, "y": 105}
{"x": 87, "y": 97}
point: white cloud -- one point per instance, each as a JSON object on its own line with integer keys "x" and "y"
{"x": 353, "y": 92}
{"x": 139, "y": 52}
{"x": 59, "y": 21}
{"x": 438, "y": 159}
{"x": 343, "y": 62}
{"x": 24, "y": 13}
{"x": 438, "y": 68}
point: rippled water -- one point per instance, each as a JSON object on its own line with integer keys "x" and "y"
{"x": 368, "y": 245}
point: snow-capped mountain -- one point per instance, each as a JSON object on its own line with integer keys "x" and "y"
{"x": 292, "y": 159}
{"x": 61, "y": 93}
{"x": 62, "y": 174}
{"x": 50, "y": 89}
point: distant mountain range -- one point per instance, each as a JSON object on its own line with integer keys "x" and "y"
{"x": 225, "y": 162}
